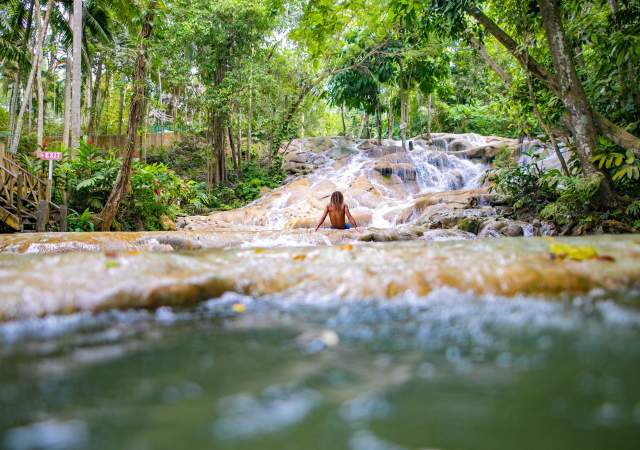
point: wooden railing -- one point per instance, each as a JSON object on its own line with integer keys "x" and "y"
{"x": 23, "y": 199}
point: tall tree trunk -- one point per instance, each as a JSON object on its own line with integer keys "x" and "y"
{"x": 571, "y": 91}
{"x": 95, "y": 94}
{"x": 67, "y": 101}
{"x": 390, "y": 121}
{"x": 13, "y": 105}
{"x": 136, "y": 107}
{"x": 40, "y": 119}
{"x": 616, "y": 134}
{"x": 217, "y": 128}
{"x": 76, "y": 76}
{"x": 545, "y": 127}
{"x": 15, "y": 95}
{"x": 38, "y": 61}
{"x": 429, "y": 113}
{"x": 88, "y": 98}
{"x": 161, "y": 109}
{"x": 239, "y": 143}
{"x": 120, "y": 108}
{"x": 249, "y": 120}
{"x": 232, "y": 147}
{"x": 344, "y": 127}
{"x": 104, "y": 99}
{"x": 379, "y": 123}
{"x": 40, "y": 35}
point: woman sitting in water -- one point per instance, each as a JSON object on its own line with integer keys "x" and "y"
{"x": 337, "y": 210}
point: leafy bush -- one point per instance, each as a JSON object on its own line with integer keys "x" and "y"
{"x": 155, "y": 191}
{"x": 574, "y": 198}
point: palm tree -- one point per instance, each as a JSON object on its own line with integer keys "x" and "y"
{"x": 76, "y": 75}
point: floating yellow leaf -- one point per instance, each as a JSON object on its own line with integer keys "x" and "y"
{"x": 575, "y": 252}
{"x": 259, "y": 250}
{"x": 347, "y": 247}
{"x": 299, "y": 257}
{"x": 239, "y": 308}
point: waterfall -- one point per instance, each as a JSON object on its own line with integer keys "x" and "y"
{"x": 380, "y": 183}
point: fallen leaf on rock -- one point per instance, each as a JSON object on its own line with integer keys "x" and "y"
{"x": 239, "y": 308}
{"x": 299, "y": 257}
{"x": 259, "y": 250}
{"x": 347, "y": 247}
{"x": 575, "y": 252}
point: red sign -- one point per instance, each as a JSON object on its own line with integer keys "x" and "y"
{"x": 51, "y": 156}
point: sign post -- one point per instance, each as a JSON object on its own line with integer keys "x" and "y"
{"x": 50, "y": 156}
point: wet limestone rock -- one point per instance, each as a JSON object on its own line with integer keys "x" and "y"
{"x": 504, "y": 267}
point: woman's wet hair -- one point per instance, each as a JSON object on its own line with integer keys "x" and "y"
{"x": 337, "y": 198}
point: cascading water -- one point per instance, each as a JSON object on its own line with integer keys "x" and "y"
{"x": 380, "y": 183}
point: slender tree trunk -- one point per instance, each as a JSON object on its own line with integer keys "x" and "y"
{"x": 403, "y": 120}
{"x": 616, "y": 134}
{"x": 429, "y": 113}
{"x": 121, "y": 108}
{"x": 136, "y": 107}
{"x": 161, "y": 109}
{"x": 484, "y": 55}
{"x": 547, "y": 130}
{"x": 217, "y": 127}
{"x": 344, "y": 127}
{"x": 572, "y": 93}
{"x": 379, "y": 123}
{"x": 14, "y": 104}
{"x": 40, "y": 119}
{"x": 40, "y": 35}
{"x": 104, "y": 99}
{"x": 234, "y": 160}
{"x": 76, "y": 76}
{"x": 38, "y": 61}
{"x": 390, "y": 121}
{"x": 88, "y": 98}
{"x": 239, "y": 143}
{"x": 67, "y": 101}
{"x": 249, "y": 121}
{"x": 95, "y": 95}
{"x": 15, "y": 95}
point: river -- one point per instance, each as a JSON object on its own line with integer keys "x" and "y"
{"x": 246, "y": 329}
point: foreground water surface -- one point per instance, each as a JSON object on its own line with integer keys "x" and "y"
{"x": 444, "y": 371}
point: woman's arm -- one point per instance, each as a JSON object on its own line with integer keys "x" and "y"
{"x": 324, "y": 216}
{"x": 352, "y": 221}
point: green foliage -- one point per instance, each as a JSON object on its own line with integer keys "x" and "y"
{"x": 247, "y": 187}
{"x": 575, "y": 194}
{"x": 80, "y": 222}
{"x": 623, "y": 165}
{"x": 155, "y": 191}
{"x": 633, "y": 209}
{"x": 562, "y": 199}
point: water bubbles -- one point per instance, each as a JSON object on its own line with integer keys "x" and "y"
{"x": 365, "y": 440}
{"x": 49, "y": 435}
{"x": 246, "y": 416}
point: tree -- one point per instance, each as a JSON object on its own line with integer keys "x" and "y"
{"x": 76, "y": 76}
{"x": 136, "y": 107}
{"x": 37, "y": 53}
{"x": 571, "y": 90}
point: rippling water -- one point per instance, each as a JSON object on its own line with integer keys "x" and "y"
{"x": 447, "y": 371}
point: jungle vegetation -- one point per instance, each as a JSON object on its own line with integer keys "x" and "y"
{"x": 237, "y": 79}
